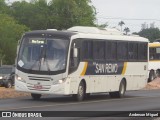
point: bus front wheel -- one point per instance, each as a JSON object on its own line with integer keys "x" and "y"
{"x": 35, "y": 96}
{"x": 81, "y": 92}
{"x": 121, "y": 92}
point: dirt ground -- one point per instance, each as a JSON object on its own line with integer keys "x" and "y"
{"x": 11, "y": 93}
{"x": 155, "y": 84}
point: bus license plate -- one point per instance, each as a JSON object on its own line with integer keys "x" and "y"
{"x": 38, "y": 86}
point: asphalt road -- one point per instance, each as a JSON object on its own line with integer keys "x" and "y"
{"x": 142, "y": 100}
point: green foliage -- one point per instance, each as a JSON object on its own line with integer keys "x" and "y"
{"x": 58, "y": 14}
{"x": 126, "y": 30}
{"x": 3, "y": 7}
{"x": 150, "y": 33}
{"x": 10, "y": 34}
{"x": 121, "y": 23}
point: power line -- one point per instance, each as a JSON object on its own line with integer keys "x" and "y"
{"x": 134, "y": 26}
{"x": 128, "y": 18}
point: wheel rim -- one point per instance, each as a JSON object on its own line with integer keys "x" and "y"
{"x": 152, "y": 77}
{"x": 157, "y": 73}
{"x": 122, "y": 89}
{"x": 80, "y": 91}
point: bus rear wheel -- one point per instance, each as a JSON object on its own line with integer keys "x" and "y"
{"x": 151, "y": 76}
{"x": 158, "y": 73}
{"x": 121, "y": 92}
{"x": 81, "y": 92}
{"x": 36, "y": 96}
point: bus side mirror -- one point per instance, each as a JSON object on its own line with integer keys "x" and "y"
{"x": 75, "y": 52}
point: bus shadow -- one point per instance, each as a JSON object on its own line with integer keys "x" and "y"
{"x": 70, "y": 99}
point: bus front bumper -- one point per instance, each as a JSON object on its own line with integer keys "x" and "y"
{"x": 57, "y": 89}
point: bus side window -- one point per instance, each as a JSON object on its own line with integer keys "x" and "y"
{"x": 71, "y": 58}
{"x": 151, "y": 53}
{"x": 157, "y": 53}
{"x": 74, "y": 59}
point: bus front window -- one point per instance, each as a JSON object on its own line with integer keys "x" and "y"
{"x": 42, "y": 54}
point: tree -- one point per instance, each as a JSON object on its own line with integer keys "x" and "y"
{"x": 10, "y": 34}
{"x": 68, "y": 13}
{"x": 121, "y": 23}
{"x": 1, "y": 57}
{"x": 3, "y": 7}
{"x": 57, "y": 14}
{"x": 126, "y": 30}
{"x": 150, "y": 33}
{"x": 30, "y": 14}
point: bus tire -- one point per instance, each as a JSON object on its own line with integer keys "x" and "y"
{"x": 81, "y": 92}
{"x": 87, "y": 95}
{"x": 36, "y": 96}
{"x": 121, "y": 92}
{"x": 158, "y": 73}
{"x": 151, "y": 76}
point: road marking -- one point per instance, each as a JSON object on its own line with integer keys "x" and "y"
{"x": 77, "y": 103}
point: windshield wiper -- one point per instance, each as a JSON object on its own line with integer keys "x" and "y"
{"x": 38, "y": 60}
{"x": 45, "y": 59}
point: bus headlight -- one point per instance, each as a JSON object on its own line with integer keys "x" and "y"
{"x": 59, "y": 81}
{"x": 20, "y": 79}
{"x": 62, "y": 81}
{"x": 1, "y": 77}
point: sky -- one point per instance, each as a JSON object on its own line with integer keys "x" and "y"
{"x": 134, "y": 13}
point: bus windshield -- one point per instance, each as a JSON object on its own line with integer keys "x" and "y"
{"x": 43, "y": 54}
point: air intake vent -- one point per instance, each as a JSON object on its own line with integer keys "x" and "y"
{"x": 39, "y": 78}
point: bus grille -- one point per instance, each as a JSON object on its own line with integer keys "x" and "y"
{"x": 39, "y": 78}
{"x": 35, "y": 86}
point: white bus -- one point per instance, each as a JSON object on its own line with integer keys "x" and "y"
{"x": 154, "y": 61}
{"x": 80, "y": 61}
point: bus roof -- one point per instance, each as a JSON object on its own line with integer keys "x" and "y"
{"x": 51, "y": 32}
{"x": 154, "y": 44}
{"x": 90, "y": 33}
{"x": 95, "y": 30}
{"x": 111, "y": 37}
{"x": 108, "y": 34}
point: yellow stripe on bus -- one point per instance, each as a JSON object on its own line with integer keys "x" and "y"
{"x": 124, "y": 68}
{"x": 84, "y": 69}
{"x": 154, "y": 44}
{"x": 154, "y": 60}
